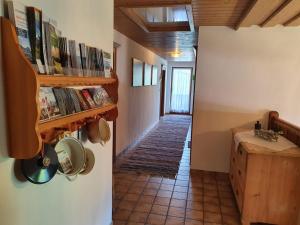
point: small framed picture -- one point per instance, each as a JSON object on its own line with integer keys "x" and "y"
{"x": 147, "y": 74}
{"x": 137, "y": 72}
{"x": 154, "y": 75}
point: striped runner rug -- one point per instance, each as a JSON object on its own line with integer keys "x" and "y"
{"x": 160, "y": 152}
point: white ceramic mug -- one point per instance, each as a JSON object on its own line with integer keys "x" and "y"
{"x": 98, "y": 131}
{"x": 76, "y": 152}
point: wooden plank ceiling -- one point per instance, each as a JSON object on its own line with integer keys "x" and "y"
{"x": 231, "y": 13}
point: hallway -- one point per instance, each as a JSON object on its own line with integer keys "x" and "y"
{"x": 190, "y": 198}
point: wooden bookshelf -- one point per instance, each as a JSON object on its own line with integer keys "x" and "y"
{"x": 63, "y": 81}
{"x": 25, "y": 132}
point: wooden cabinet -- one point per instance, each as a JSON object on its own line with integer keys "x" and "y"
{"x": 266, "y": 185}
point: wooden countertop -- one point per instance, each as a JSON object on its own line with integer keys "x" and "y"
{"x": 256, "y": 149}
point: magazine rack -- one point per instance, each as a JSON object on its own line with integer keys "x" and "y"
{"x": 25, "y": 132}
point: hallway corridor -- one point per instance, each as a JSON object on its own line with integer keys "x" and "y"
{"x": 190, "y": 198}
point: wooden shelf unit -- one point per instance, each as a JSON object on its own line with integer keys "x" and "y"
{"x": 25, "y": 132}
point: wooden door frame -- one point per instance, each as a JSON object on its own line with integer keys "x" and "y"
{"x": 162, "y": 91}
{"x": 190, "y": 96}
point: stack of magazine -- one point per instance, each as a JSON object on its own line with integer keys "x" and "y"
{"x": 50, "y": 52}
{"x": 55, "y": 102}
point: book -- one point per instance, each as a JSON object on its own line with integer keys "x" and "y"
{"x": 34, "y": 21}
{"x": 107, "y": 63}
{"x": 69, "y": 101}
{"x": 83, "y": 58}
{"x": 83, "y": 104}
{"x": 17, "y": 15}
{"x": 100, "y": 96}
{"x": 53, "y": 48}
{"x": 61, "y": 100}
{"x": 88, "y": 98}
{"x": 49, "y": 106}
{"x": 75, "y": 99}
{"x": 75, "y": 56}
{"x": 45, "y": 57}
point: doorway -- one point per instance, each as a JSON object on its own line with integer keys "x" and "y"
{"x": 181, "y": 90}
{"x": 162, "y": 92}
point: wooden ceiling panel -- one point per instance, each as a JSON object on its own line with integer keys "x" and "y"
{"x": 284, "y": 13}
{"x": 259, "y": 12}
{"x": 150, "y": 3}
{"x": 162, "y": 43}
{"x": 218, "y": 12}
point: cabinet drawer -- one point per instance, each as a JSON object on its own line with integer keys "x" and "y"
{"x": 237, "y": 189}
{"x": 242, "y": 155}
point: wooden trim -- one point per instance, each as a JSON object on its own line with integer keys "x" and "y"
{"x": 64, "y": 81}
{"x": 168, "y": 27}
{"x": 189, "y": 11}
{"x": 162, "y": 91}
{"x": 135, "y": 18}
{"x": 290, "y": 131}
{"x": 68, "y": 119}
{"x": 175, "y": 67}
{"x": 150, "y": 3}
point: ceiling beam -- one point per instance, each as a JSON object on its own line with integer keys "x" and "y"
{"x": 258, "y": 12}
{"x": 284, "y": 13}
{"x": 295, "y": 21}
{"x": 150, "y": 3}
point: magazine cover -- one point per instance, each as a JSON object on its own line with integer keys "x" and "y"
{"x": 17, "y": 15}
{"x": 48, "y": 102}
{"x": 55, "y": 56}
{"x": 107, "y": 63}
{"x": 88, "y": 98}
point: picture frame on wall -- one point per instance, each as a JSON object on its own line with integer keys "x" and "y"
{"x": 147, "y": 74}
{"x": 137, "y": 72}
{"x": 154, "y": 75}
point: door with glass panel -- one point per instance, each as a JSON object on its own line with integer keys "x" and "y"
{"x": 181, "y": 90}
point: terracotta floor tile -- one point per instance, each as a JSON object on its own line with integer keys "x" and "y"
{"x": 168, "y": 181}
{"x": 210, "y": 187}
{"x": 118, "y": 222}
{"x": 129, "y": 205}
{"x": 208, "y": 223}
{"x": 151, "y": 192}
{"x": 230, "y": 202}
{"x": 121, "y": 188}
{"x": 194, "y": 205}
{"x": 147, "y": 199}
{"x": 178, "y": 203}
{"x": 119, "y": 196}
{"x": 229, "y": 210}
{"x": 134, "y": 223}
{"x": 165, "y": 194}
{"x": 211, "y": 193}
{"x": 152, "y": 185}
{"x": 183, "y": 177}
{"x": 209, "y": 207}
{"x": 155, "y": 179}
{"x": 143, "y": 178}
{"x": 193, "y": 222}
{"x": 212, "y": 217}
{"x": 174, "y": 221}
{"x": 196, "y": 184}
{"x": 226, "y": 194}
{"x": 132, "y": 197}
{"x": 156, "y": 219}
{"x": 180, "y": 195}
{"x": 195, "y": 197}
{"x": 183, "y": 183}
{"x": 139, "y": 184}
{"x": 121, "y": 214}
{"x": 181, "y": 189}
{"x": 143, "y": 207}
{"x": 139, "y": 217}
{"x": 178, "y": 212}
{"x": 135, "y": 190}
{"x": 212, "y": 200}
{"x": 167, "y": 187}
{"x": 196, "y": 190}
{"x": 231, "y": 220}
{"x": 162, "y": 201}
{"x": 159, "y": 210}
{"x": 194, "y": 214}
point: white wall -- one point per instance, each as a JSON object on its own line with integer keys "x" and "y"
{"x": 172, "y": 64}
{"x": 241, "y": 75}
{"x": 138, "y": 106}
{"x": 88, "y": 200}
